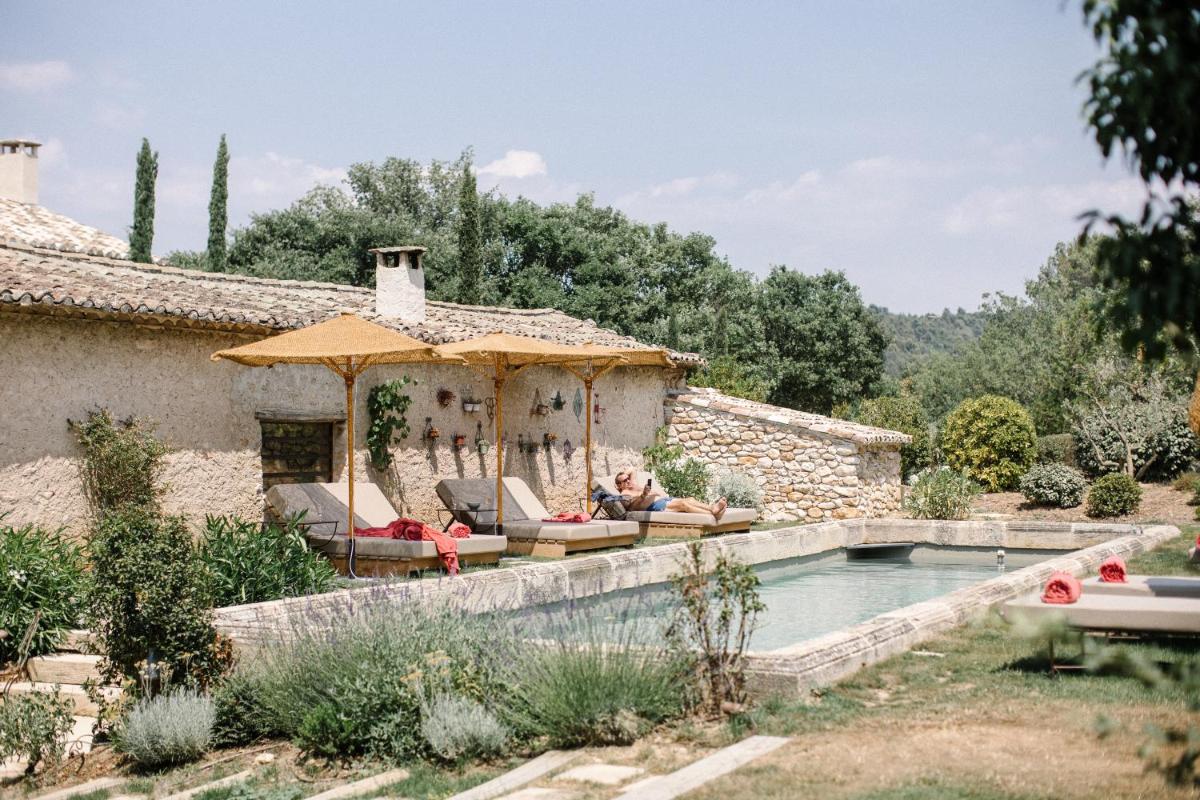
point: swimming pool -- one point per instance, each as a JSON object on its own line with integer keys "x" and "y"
{"x": 804, "y": 597}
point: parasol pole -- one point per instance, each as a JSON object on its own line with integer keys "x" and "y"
{"x": 587, "y": 442}
{"x": 498, "y": 395}
{"x": 349, "y": 378}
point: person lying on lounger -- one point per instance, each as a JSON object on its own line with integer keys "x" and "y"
{"x": 650, "y": 500}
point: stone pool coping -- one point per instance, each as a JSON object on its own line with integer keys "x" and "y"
{"x": 788, "y": 670}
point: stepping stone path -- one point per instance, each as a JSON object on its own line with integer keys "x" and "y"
{"x": 363, "y": 787}
{"x": 229, "y": 780}
{"x": 526, "y": 773}
{"x": 606, "y": 774}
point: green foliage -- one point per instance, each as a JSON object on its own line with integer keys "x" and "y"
{"x": 1113, "y": 495}
{"x": 218, "y": 215}
{"x": 34, "y": 726}
{"x": 1057, "y": 448}
{"x": 1053, "y": 485}
{"x": 387, "y": 405}
{"x": 738, "y": 488}
{"x": 240, "y": 718}
{"x": 141, "y": 235}
{"x": 585, "y": 684}
{"x": 730, "y": 376}
{"x": 470, "y": 249}
{"x": 122, "y": 461}
{"x": 940, "y": 493}
{"x": 678, "y": 476}
{"x": 914, "y": 338}
{"x": 1148, "y": 72}
{"x": 41, "y": 575}
{"x": 150, "y": 601}
{"x": 905, "y": 414}
{"x": 991, "y": 439}
{"x": 828, "y": 347}
{"x": 352, "y": 682}
{"x": 1187, "y": 482}
{"x": 710, "y": 630}
{"x": 168, "y": 729}
{"x": 458, "y": 728}
{"x": 249, "y": 562}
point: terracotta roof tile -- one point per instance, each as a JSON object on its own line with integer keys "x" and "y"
{"x": 36, "y": 226}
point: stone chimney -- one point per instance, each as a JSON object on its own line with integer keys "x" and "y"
{"x": 19, "y": 170}
{"x": 399, "y": 283}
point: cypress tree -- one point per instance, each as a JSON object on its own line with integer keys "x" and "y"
{"x": 141, "y": 237}
{"x": 470, "y": 252}
{"x": 218, "y": 216}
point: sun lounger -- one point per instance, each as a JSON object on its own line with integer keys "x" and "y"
{"x": 325, "y": 510}
{"x": 1113, "y": 612}
{"x": 674, "y": 524}
{"x": 1146, "y": 586}
{"x": 472, "y": 502}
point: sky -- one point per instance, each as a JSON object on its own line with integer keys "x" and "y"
{"x": 934, "y": 151}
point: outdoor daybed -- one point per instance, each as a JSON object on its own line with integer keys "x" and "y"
{"x": 674, "y": 524}
{"x": 325, "y": 510}
{"x": 472, "y": 501}
{"x": 1119, "y": 608}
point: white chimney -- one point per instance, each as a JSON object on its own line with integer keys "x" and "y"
{"x": 19, "y": 170}
{"x": 399, "y": 283}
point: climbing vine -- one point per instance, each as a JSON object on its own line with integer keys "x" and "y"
{"x": 387, "y": 404}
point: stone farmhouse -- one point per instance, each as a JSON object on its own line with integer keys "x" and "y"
{"x": 81, "y": 327}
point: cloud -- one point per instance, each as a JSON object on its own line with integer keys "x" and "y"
{"x": 119, "y": 117}
{"x": 991, "y": 209}
{"x": 34, "y": 76}
{"x": 274, "y": 180}
{"x": 516, "y": 164}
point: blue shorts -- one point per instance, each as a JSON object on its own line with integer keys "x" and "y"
{"x": 660, "y": 504}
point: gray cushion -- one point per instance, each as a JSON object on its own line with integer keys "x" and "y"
{"x": 569, "y": 531}
{"x": 746, "y": 515}
{"x": 326, "y": 503}
{"x": 457, "y": 494}
{"x": 377, "y": 547}
{"x": 1114, "y": 612}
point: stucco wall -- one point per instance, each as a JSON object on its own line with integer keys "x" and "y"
{"x": 803, "y": 474}
{"x": 61, "y": 368}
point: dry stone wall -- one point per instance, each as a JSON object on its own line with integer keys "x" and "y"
{"x": 804, "y": 474}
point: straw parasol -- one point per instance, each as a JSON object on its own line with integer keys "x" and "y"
{"x": 598, "y": 360}
{"x": 501, "y": 356}
{"x": 347, "y": 345}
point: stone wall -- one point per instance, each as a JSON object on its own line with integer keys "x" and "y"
{"x": 59, "y": 368}
{"x": 803, "y": 473}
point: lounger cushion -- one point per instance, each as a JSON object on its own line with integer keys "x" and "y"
{"x": 746, "y": 515}
{"x": 326, "y": 502}
{"x": 1115, "y": 612}
{"x": 457, "y": 494}
{"x": 374, "y": 547}
{"x": 569, "y": 531}
{"x": 1146, "y": 586}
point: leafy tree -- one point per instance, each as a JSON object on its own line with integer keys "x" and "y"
{"x": 732, "y": 377}
{"x": 218, "y": 216}
{"x": 992, "y": 440}
{"x": 901, "y": 413}
{"x": 470, "y": 254}
{"x": 1143, "y": 94}
{"x": 141, "y": 236}
{"x": 828, "y": 346}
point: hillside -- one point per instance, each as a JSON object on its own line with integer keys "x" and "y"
{"x": 917, "y": 336}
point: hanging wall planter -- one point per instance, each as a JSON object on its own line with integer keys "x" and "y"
{"x": 460, "y": 441}
{"x": 481, "y": 444}
{"x": 430, "y": 434}
{"x": 470, "y": 405}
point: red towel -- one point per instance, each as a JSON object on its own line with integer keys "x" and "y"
{"x": 459, "y": 531}
{"x": 416, "y": 531}
{"x": 567, "y": 516}
{"x": 1062, "y": 588}
{"x": 1112, "y": 570}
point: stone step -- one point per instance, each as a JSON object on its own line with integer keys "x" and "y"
{"x": 66, "y": 668}
{"x": 77, "y": 641}
{"x": 84, "y": 706}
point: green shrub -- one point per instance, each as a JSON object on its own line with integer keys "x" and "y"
{"x": 241, "y": 718}
{"x": 122, "y": 461}
{"x": 1113, "y": 495}
{"x": 41, "y": 574}
{"x": 1057, "y": 448}
{"x": 168, "y": 729}
{"x": 1188, "y": 482}
{"x": 458, "y": 728}
{"x": 351, "y": 681}
{"x": 1054, "y": 485}
{"x": 1158, "y": 437}
{"x": 729, "y": 375}
{"x": 940, "y": 493}
{"x": 34, "y": 726}
{"x": 992, "y": 439}
{"x": 250, "y": 563}
{"x": 906, "y": 415}
{"x": 150, "y": 604}
{"x": 678, "y": 476}
{"x": 580, "y": 687}
{"x": 739, "y": 489}
{"x": 709, "y": 632}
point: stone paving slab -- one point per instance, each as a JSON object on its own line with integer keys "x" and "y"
{"x": 364, "y": 786}
{"x": 228, "y": 780}
{"x": 605, "y": 774}
{"x": 541, "y": 793}
{"x": 514, "y": 779}
{"x": 722, "y": 762}
{"x": 81, "y": 789}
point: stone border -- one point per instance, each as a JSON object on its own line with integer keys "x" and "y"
{"x": 789, "y": 670}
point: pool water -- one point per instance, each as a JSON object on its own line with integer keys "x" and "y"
{"x": 804, "y": 598}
